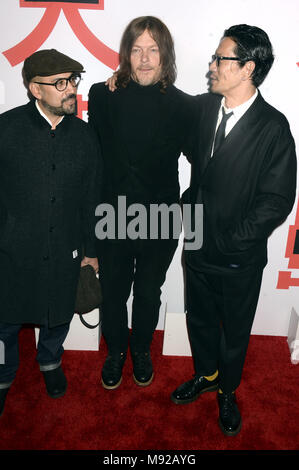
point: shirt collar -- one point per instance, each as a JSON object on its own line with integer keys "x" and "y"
{"x": 242, "y": 108}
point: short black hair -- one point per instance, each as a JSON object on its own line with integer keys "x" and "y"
{"x": 252, "y": 43}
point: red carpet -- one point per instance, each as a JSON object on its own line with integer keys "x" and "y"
{"x": 134, "y": 418}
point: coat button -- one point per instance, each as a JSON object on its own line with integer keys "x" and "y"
{"x": 46, "y": 258}
{"x": 53, "y": 199}
{"x": 52, "y": 134}
{"x": 53, "y": 167}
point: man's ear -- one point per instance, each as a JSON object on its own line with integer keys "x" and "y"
{"x": 248, "y": 69}
{"x": 35, "y": 90}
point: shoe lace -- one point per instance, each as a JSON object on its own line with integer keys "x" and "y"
{"x": 141, "y": 360}
{"x": 228, "y": 404}
{"x": 114, "y": 363}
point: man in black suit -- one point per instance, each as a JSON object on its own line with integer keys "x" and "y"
{"x": 244, "y": 174}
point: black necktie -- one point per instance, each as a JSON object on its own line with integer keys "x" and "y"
{"x": 220, "y": 134}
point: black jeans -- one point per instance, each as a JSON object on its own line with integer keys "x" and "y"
{"x": 143, "y": 264}
{"x": 49, "y": 349}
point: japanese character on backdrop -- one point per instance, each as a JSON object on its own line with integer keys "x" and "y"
{"x": 285, "y": 279}
{"x": 70, "y": 8}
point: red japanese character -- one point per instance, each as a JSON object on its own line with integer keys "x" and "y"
{"x": 70, "y": 8}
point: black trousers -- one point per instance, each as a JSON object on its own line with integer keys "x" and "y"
{"x": 142, "y": 264}
{"x": 220, "y": 314}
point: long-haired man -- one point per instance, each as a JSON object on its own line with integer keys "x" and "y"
{"x": 143, "y": 127}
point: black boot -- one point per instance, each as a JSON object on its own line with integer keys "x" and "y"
{"x": 191, "y": 390}
{"x": 142, "y": 368}
{"x": 112, "y": 370}
{"x": 229, "y": 415}
{"x": 55, "y": 382}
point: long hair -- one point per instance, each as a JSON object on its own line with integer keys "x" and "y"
{"x": 161, "y": 36}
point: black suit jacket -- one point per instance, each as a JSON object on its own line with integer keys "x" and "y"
{"x": 247, "y": 188}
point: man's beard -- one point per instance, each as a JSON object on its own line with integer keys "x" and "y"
{"x": 61, "y": 110}
{"x": 144, "y": 80}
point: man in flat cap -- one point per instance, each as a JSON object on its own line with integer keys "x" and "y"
{"x": 49, "y": 181}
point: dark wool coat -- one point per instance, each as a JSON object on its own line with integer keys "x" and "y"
{"x": 49, "y": 182}
{"x": 247, "y": 188}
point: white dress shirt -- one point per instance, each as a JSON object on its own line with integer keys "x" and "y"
{"x": 238, "y": 112}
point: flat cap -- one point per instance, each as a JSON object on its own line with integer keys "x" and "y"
{"x": 49, "y": 62}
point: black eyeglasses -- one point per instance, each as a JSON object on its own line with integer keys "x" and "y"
{"x": 218, "y": 58}
{"x": 62, "y": 83}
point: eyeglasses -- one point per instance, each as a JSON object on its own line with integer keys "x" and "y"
{"x": 62, "y": 83}
{"x": 218, "y": 58}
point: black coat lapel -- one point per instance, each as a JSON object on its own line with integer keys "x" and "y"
{"x": 235, "y": 136}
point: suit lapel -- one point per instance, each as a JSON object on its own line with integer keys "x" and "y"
{"x": 235, "y": 136}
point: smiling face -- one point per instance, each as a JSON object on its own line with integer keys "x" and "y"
{"x": 53, "y": 102}
{"x": 145, "y": 60}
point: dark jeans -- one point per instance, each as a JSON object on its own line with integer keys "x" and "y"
{"x": 220, "y": 313}
{"x": 49, "y": 349}
{"x": 143, "y": 264}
